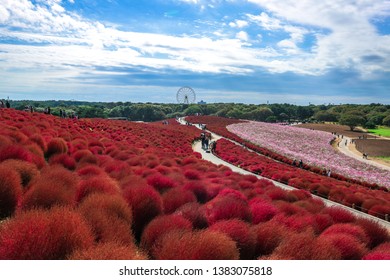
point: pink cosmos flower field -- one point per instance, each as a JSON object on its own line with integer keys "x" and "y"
{"x": 311, "y": 146}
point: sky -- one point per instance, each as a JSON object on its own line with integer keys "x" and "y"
{"x": 252, "y": 51}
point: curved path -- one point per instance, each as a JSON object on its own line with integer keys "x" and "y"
{"x": 197, "y": 147}
{"x": 349, "y": 151}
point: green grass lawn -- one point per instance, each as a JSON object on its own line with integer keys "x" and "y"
{"x": 381, "y": 130}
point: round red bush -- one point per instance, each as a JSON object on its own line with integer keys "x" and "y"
{"x": 376, "y": 233}
{"x": 27, "y": 171}
{"x": 160, "y": 182}
{"x": 193, "y": 212}
{"x": 162, "y": 225}
{"x": 56, "y": 146}
{"x": 64, "y": 160}
{"x": 145, "y": 202}
{"x": 44, "y": 235}
{"x": 10, "y": 190}
{"x": 351, "y": 229}
{"x": 55, "y": 186}
{"x": 262, "y": 211}
{"x": 109, "y": 251}
{"x": 268, "y": 237}
{"x": 98, "y": 184}
{"x": 225, "y": 208}
{"x": 198, "y": 245}
{"x": 349, "y": 247}
{"x": 241, "y": 233}
{"x": 174, "y": 198}
{"x": 339, "y": 215}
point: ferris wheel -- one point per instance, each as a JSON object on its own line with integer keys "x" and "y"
{"x": 185, "y": 95}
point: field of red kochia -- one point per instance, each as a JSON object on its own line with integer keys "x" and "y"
{"x": 104, "y": 189}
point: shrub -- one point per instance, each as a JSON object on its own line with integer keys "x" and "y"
{"x": 349, "y": 247}
{"x": 193, "y": 212}
{"x": 90, "y": 171}
{"x": 10, "y": 190}
{"x": 296, "y": 246}
{"x": 145, "y": 202}
{"x": 241, "y": 233}
{"x": 160, "y": 182}
{"x": 198, "y": 245}
{"x": 56, "y": 146}
{"x": 15, "y": 152}
{"x": 108, "y": 228}
{"x": 64, "y": 160}
{"x": 198, "y": 189}
{"x": 38, "y": 139}
{"x": 382, "y": 252}
{"x": 27, "y": 171}
{"x": 225, "y": 208}
{"x": 174, "y": 198}
{"x": 379, "y": 211}
{"x": 109, "y": 251}
{"x": 376, "y": 233}
{"x": 262, "y": 211}
{"x": 339, "y": 215}
{"x": 112, "y": 205}
{"x": 44, "y": 235}
{"x": 160, "y": 226}
{"x": 353, "y": 230}
{"x": 268, "y": 237}
{"x": 98, "y": 184}
{"x": 192, "y": 174}
{"x": 55, "y": 186}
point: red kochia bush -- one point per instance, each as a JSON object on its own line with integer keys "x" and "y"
{"x": 268, "y": 237}
{"x": 376, "y": 233}
{"x": 349, "y": 247}
{"x": 109, "y": 251}
{"x": 227, "y": 207}
{"x": 198, "y": 189}
{"x": 56, "y": 146}
{"x": 63, "y": 159}
{"x": 15, "y": 151}
{"x": 44, "y": 235}
{"x": 146, "y": 204}
{"x": 160, "y": 182}
{"x": 193, "y": 212}
{"x": 241, "y": 233}
{"x": 296, "y": 246}
{"x": 176, "y": 197}
{"x": 98, "y": 184}
{"x": 10, "y": 190}
{"x": 160, "y": 226}
{"x": 55, "y": 186}
{"x": 198, "y": 245}
{"x": 350, "y": 229}
{"x": 382, "y": 252}
{"x": 262, "y": 211}
{"x": 339, "y": 215}
{"x": 27, "y": 171}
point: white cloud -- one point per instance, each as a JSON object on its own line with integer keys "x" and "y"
{"x": 346, "y": 33}
{"x": 238, "y": 24}
{"x": 242, "y": 35}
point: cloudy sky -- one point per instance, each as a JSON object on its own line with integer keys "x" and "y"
{"x": 253, "y": 51}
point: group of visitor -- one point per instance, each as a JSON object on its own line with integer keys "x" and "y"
{"x": 5, "y": 104}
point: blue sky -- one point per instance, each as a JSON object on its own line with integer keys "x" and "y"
{"x": 254, "y": 51}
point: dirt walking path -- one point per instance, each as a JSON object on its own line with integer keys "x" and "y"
{"x": 351, "y": 151}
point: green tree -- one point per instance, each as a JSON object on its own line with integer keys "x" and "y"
{"x": 261, "y": 114}
{"x": 325, "y": 116}
{"x": 352, "y": 120}
{"x": 386, "y": 121}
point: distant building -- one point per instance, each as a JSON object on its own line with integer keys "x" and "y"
{"x": 202, "y": 102}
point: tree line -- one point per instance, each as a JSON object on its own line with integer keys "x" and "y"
{"x": 368, "y": 116}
